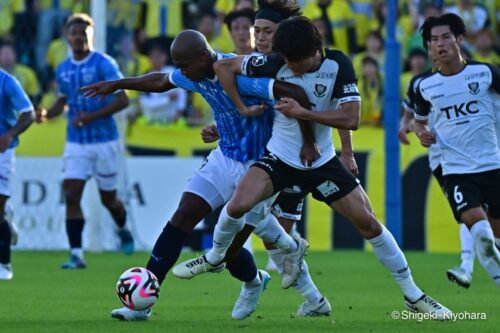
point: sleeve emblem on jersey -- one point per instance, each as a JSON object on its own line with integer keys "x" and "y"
{"x": 258, "y": 61}
{"x": 350, "y": 88}
{"x": 474, "y": 88}
{"x": 319, "y": 90}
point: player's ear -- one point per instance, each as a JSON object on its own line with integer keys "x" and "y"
{"x": 460, "y": 39}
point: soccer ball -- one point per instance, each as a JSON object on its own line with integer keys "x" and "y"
{"x": 138, "y": 289}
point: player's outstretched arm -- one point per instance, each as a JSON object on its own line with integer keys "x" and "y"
{"x": 347, "y": 154}
{"x": 427, "y": 138}
{"x": 152, "y": 82}
{"x": 42, "y": 114}
{"x": 119, "y": 103}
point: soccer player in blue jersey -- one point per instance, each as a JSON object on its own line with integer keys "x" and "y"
{"x": 242, "y": 140}
{"x": 13, "y": 101}
{"x": 92, "y": 148}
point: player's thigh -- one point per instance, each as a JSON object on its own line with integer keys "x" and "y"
{"x": 73, "y": 191}
{"x": 490, "y": 189}
{"x": 463, "y": 192}
{"x": 107, "y": 157}
{"x": 255, "y": 187}
{"x": 191, "y": 210}
{"x": 7, "y": 161}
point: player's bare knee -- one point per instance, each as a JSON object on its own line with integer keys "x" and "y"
{"x": 238, "y": 206}
{"x": 185, "y": 218}
{"x": 368, "y": 225}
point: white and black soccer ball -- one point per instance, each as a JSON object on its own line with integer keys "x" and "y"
{"x": 138, "y": 288}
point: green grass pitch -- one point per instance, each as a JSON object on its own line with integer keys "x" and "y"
{"x": 44, "y": 298}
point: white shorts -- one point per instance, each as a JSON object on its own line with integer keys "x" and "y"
{"x": 7, "y": 161}
{"x": 216, "y": 180}
{"x": 98, "y": 160}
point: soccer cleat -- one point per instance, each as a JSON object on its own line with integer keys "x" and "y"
{"x": 190, "y": 268}
{"x": 74, "y": 262}
{"x": 8, "y": 217}
{"x": 6, "y": 272}
{"x": 249, "y": 297}
{"x": 292, "y": 264}
{"x": 426, "y": 304}
{"x": 131, "y": 315}
{"x": 308, "y": 309}
{"x": 460, "y": 276}
{"x": 271, "y": 266}
{"x": 127, "y": 241}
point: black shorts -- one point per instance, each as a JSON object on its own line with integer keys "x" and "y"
{"x": 328, "y": 183}
{"x": 289, "y": 203}
{"x": 466, "y": 191}
{"x": 438, "y": 174}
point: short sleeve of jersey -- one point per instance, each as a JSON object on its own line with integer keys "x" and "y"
{"x": 255, "y": 87}
{"x": 409, "y": 101}
{"x": 422, "y": 106}
{"x": 495, "y": 78}
{"x": 109, "y": 69}
{"x": 181, "y": 81}
{"x": 261, "y": 65}
{"x": 60, "y": 82}
{"x": 345, "y": 89}
{"x": 18, "y": 98}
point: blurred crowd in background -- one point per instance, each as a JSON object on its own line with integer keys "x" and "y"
{"x": 139, "y": 34}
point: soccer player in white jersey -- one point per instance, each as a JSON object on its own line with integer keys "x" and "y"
{"x": 16, "y": 115}
{"x": 92, "y": 146}
{"x": 329, "y": 79}
{"x": 456, "y": 109}
{"x": 242, "y": 141}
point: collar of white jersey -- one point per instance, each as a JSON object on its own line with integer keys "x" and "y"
{"x": 84, "y": 60}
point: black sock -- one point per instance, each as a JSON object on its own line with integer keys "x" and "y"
{"x": 166, "y": 251}
{"x": 120, "y": 221}
{"x": 5, "y": 235}
{"x": 74, "y": 229}
{"x": 243, "y": 266}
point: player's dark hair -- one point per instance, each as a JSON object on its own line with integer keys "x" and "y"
{"x": 277, "y": 10}
{"x": 79, "y": 18}
{"x": 297, "y": 38}
{"x": 247, "y": 12}
{"x": 455, "y": 22}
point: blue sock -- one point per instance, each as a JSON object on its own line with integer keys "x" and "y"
{"x": 243, "y": 266}
{"x": 166, "y": 251}
{"x": 5, "y": 235}
{"x": 74, "y": 229}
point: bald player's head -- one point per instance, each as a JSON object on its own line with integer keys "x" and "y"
{"x": 193, "y": 55}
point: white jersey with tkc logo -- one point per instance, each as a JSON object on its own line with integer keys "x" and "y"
{"x": 461, "y": 111}
{"x": 332, "y": 84}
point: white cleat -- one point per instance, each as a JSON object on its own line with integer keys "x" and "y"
{"x": 292, "y": 264}
{"x": 426, "y": 304}
{"x": 249, "y": 297}
{"x": 6, "y": 272}
{"x": 271, "y": 266}
{"x": 460, "y": 276}
{"x": 308, "y": 309}
{"x": 131, "y": 315}
{"x": 190, "y": 268}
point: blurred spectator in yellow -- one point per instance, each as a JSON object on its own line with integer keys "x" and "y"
{"x": 339, "y": 20}
{"x": 484, "y": 48}
{"x": 25, "y": 75}
{"x": 374, "y": 48}
{"x": 240, "y": 26}
{"x": 371, "y": 91}
{"x": 162, "y": 17}
{"x": 223, "y": 7}
{"x": 415, "y": 41}
{"x": 321, "y": 26}
{"x": 8, "y": 8}
{"x": 416, "y": 64}
{"x": 207, "y": 26}
{"x": 365, "y": 19}
{"x": 58, "y": 52}
{"x": 475, "y": 16}
{"x": 122, "y": 17}
{"x": 49, "y": 98}
{"x": 52, "y": 15}
{"x": 163, "y": 108}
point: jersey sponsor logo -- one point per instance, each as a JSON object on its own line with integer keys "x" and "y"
{"x": 258, "y": 61}
{"x": 432, "y": 86}
{"x": 460, "y": 110}
{"x": 286, "y": 78}
{"x": 328, "y": 188}
{"x": 319, "y": 90}
{"x": 477, "y": 75}
{"x": 474, "y": 88}
{"x": 326, "y": 75}
{"x": 350, "y": 88}
{"x": 437, "y": 96}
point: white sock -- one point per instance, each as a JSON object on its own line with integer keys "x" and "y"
{"x": 486, "y": 252}
{"x": 277, "y": 256}
{"x": 270, "y": 231}
{"x": 497, "y": 243}
{"x": 467, "y": 253}
{"x": 305, "y": 285}
{"x": 255, "y": 282}
{"x": 77, "y": 252}
{"x": 225, "y": 230}
{"x": 390, "y": 255}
